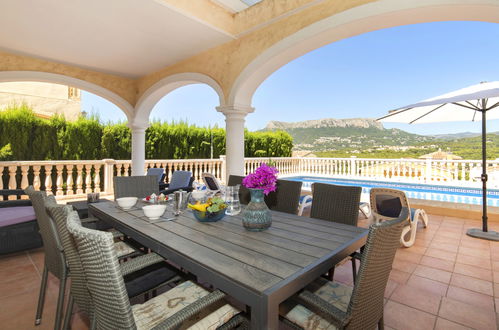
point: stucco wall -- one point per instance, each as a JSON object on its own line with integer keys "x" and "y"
{"x": 226, "y": 62}
{"x": 121, "y": 86}
{"x": 264, "y": 28}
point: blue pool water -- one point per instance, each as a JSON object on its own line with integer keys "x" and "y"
{"x": 465, "y": 195}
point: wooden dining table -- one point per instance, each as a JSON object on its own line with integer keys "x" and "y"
{"x": 258, "y": 269}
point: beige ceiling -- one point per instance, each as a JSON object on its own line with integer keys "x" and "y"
{"x": 126, "y": 37}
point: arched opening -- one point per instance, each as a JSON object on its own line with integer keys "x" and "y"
{"x": 26, "y": 76}
{"x": 158, "y": 91}
{"x": 374, "y": 16}
{"x": 194, "y": 103}
{"x": 190, "y": 111}
{"x": 369, "y": 74}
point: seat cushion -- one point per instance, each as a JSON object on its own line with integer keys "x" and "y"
{"x": 335, "y": 293}
{"x": 158, "y": 309}
{"x": 122, "y": 249}
{"x": 14, "y": 215}
{"x": 388, "y": 206}
{"x": 148, "y": 278}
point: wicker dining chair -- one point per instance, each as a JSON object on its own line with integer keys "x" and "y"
{"x": 153, "y": 271}
{"x": 184, "y": 305}
{"x": 331, "y": 305}
{"x": 244, "y": 193}
{"x": 386, "y": 204}
{"x": 286, "y": 198}
{"x": 135, "y": 186}
{"x": 55, "y": 259}
{"x": 337, "y": 204}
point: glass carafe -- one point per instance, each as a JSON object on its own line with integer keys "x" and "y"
{"x": 232, "y": 200}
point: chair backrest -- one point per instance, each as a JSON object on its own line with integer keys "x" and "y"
{"x": 286, "y": 198}
{"x": 335, "y": 203}
{"x": 180, "y": 179}
{"x": 387, "y": 203}
{"x": 366, "y": 304}
{"x": 103, "y": 275}
{"x": 135, "y": 186}
{"x": 79, "y": 290}
{"x": 54, "y": 255}
{"x": 211, "y": 182}
{"x": 244, "y": 193}
{"x": 157, "y": 172}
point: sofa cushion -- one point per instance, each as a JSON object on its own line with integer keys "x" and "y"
{"x": 14, "y": 215}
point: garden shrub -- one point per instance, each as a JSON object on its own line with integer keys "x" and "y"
{"x": 33, "y": 138}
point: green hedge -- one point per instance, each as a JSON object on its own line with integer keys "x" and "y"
{"x": 23, "y": 136}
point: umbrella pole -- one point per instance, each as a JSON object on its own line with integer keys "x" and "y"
{"x": 476, "y": 232}
{"x": 484, "y": 170}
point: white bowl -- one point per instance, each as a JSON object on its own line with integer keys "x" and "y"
{"x": 126, "y": 203}
{"x": 153, "y": 212}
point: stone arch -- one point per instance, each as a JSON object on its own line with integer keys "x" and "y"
{"x": 166, "y": 85}
{"x": 365, "y": 18}
{"x": 12, "y": 76}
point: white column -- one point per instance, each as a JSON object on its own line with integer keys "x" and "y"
{"x": 138, "y": 148}
{"x": 234, "y": 138}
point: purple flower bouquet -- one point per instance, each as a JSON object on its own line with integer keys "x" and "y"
{"x": 265, "y": 177}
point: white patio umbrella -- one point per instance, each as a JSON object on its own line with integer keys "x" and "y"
{"x": 472, "y": 103}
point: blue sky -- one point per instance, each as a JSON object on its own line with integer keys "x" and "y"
{"x": 363, "y": 76}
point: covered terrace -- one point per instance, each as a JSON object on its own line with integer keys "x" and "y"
{"x": 133, "y": 53}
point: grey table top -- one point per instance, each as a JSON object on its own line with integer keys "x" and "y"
{"x": 257, "y": 268}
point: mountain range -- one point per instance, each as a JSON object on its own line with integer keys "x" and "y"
{"x": 336, "y": 134}
{"x": 456, "y": 136}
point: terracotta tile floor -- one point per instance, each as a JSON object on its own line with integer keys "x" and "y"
{"x": 447, "y": 280}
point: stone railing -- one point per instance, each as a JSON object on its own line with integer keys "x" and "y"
{"x": 69, "y": 179}
{"x": 61, "y": 178}
{"x": 72, "y": 179}
{"x": 453, "y": 172}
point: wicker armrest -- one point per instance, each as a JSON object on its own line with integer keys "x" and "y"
{"x": 90, "y": 223}
{"x": 88, "y": 220}
{"x": 323, "y": 308}
{"x": 187, "y": 312}
{"x": 239, "y": 321}
{"x": 140, "y": 262}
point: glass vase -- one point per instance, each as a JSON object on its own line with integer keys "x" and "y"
{"x": 257, "y": 216}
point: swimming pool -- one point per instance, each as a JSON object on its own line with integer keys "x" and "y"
{"x": 453, "y": 194}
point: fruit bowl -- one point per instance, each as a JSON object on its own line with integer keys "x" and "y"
{"x": 205, "y": 216}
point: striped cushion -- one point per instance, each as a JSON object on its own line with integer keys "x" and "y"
{"x": 122, "y": 249}
{"x": 158, "y": 309}
{"x": 335, "y": 293}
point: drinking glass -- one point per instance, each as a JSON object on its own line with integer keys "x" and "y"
{"x": 177, "y": 202}
{"x": 232, "y": 200}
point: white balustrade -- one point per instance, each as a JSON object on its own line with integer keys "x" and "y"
{"x": 77, "y": 178}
